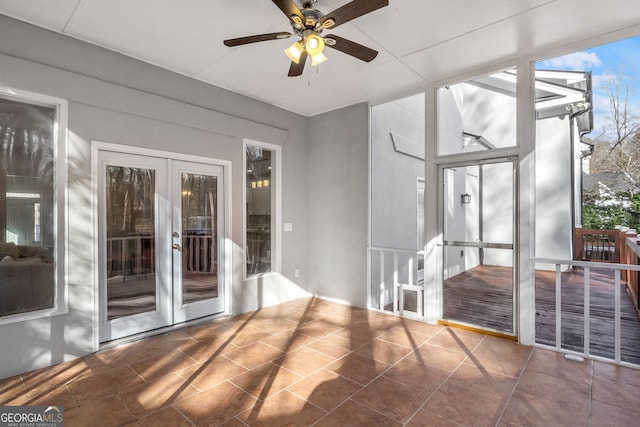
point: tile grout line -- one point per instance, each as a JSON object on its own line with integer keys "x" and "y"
{"x": 181, "y": 413}
{"x": 445, "y": 380}
{"x": 515, "y": 386}
{"x": 349, "y": 398}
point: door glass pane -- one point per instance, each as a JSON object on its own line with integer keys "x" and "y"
{"x": 478, "y": 252}
{"x": 199, "y": 237}
{"x": 130, "y": 206}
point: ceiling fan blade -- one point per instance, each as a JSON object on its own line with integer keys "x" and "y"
{"x": 297, "y": 69}
{"x": 352, "y": 10}
{"x": 289, "y": 8}
{"x": 351, "y": 48}
{"x": 257, "y": 38}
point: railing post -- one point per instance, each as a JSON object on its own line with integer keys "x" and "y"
{"x": 619, "y": 237}
{"x": 587, "y": 311}
{"x": 617, "y": 340}
{"x": 579, "y": 245}
{"x": 558, "y": 307}
{"x": 382, "y": 284}
{"x": 395, "y": 283}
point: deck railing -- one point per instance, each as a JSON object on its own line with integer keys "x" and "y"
{"x": 130, "y": 256}
{"x": 599, "y": 245}
{"x": 199, "y": 254}
{"x": 612, "y": 246}
{"x": 617, "y": 270}
{"x": 631, "y": 255}
{"x": 135, "y": 256}
{"x": 394, "y": 274}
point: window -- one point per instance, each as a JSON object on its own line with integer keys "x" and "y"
{"x": 260, "y": 203}
{"x": 29, "y": 176}
{"x": 478, "y": 115}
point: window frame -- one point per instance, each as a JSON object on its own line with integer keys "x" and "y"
{"x": 60, "y": 202}
{"x": 276, "y": 205}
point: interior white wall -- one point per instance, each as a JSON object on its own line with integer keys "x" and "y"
{"x": 116, "y": 99}
{"x": 338, "y": 192}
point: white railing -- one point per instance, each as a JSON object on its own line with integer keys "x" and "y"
{"x": 407, "y": 271}
{"x": 617, "y": 332}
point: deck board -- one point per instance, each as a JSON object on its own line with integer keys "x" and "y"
{"x": 482, "y": 296}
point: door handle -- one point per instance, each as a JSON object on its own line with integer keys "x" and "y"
{"x": 176, "y": 234}
{"x": 176, "y": 246}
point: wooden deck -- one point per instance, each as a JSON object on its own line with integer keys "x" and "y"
{"x": 483, "y": 296}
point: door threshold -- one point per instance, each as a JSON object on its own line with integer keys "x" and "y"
{"x": 107, "y": 345}
{"x": 477, "y": 329}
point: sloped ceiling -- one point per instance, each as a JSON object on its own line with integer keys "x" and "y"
{"x": 420, "y": 41}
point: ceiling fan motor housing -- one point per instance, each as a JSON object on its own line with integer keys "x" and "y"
{"x": 311, "y": 21}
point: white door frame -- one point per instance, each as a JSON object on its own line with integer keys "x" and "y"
{"x": 439, "y": 271}
{"x": 226, "y": 244}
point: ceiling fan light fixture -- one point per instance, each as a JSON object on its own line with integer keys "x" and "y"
{"x": 294, "y": 51}
{"x": 318, "y": 59}
{"x": 314, "y": 45}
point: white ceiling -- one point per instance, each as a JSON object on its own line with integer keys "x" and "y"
{"x": 419, "y": 41}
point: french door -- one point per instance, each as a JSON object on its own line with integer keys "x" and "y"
{"x": 161, "y": 233}
{"x": 478, "y": 220}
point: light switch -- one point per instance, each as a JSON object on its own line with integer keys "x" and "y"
{"x": 288, "y": 226}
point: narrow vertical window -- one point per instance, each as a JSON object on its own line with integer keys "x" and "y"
{"x": 260, "y": 209}
{"x": 27, "y": 207}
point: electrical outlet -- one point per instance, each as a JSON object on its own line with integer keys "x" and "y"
{"x": 296, "y": 273}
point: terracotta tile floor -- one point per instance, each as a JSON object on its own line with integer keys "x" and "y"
{"x": 312, "y": 362}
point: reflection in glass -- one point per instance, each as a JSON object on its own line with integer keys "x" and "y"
{"x": 199, "y": 237}
{"x": 27, "y": 238}
{"x": 259, "y": 209}
{"x": 130, "y": 205}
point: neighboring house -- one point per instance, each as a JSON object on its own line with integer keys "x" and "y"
{"x": 607, "y": 188}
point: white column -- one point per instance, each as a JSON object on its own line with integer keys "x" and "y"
{"x": 433, "y": 251}
{"x": 525, "y": 215}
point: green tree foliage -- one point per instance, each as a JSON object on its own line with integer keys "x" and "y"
{"x": 605, "y": 214}
{"x": 596, "y": 217}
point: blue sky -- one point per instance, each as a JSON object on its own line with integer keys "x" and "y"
{"x": 605, "y": 62}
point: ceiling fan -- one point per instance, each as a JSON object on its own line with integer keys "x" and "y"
{"x": 308, "y": 24}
